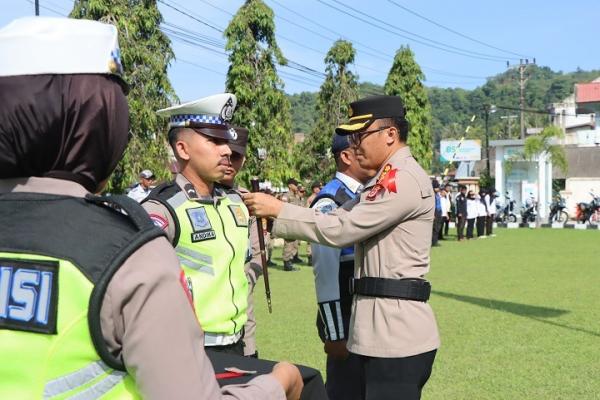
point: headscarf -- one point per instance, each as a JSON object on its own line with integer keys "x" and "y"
{"x": 72, "y": 127}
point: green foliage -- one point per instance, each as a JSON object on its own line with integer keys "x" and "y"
{"x": 303, "y": 111}
{"x": 262, "y": 107}
{"x": 145, "y": 55}
{"x": 542, "y": 143}
{"x": 314, "y": 159}
{"x": 405, "y": 80}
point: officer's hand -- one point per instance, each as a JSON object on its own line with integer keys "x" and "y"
{"x": 262, "y": 205}
{"x": 337, "y": 349}
{"x": 290, "y": 379}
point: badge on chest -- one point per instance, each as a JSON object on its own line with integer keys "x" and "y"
{"x": 202, "y": 229}
{"x": 386, "y": 181}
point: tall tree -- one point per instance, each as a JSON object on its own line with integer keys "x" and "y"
{"x": 262, "y": 107}
{"x": 405, "y": 80}
{"x": 339, "y": 89}
{"x": 145, "y": 55}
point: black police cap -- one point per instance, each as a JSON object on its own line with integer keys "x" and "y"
{"x": 364, "y": 111}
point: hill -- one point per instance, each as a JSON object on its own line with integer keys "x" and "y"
{"x": 453, "y": 108}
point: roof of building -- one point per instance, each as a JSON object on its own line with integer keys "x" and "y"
{"x": 587, "y": 92}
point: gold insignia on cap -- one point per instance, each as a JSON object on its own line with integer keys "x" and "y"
{"x": 113, "y": 67}
{"x": 350, "y": 111}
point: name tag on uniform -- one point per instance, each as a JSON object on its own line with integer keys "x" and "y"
{"x": 238, "y": 215}
{"x": 200, "y": 224}
{"x": 28, "y": 295}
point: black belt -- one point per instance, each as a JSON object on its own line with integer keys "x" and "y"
{"x": 406, "y": 289}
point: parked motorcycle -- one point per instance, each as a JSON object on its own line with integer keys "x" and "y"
{"x": 557, "y": 211}
{"x": 529, "y": 212}
{"x": 589, "y": 212}
{"x": 506, "y": 213}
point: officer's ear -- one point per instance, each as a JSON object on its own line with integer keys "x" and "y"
{"x": 391, "y": 135}
{"x": 181, "y": 146}
{"x": 346, "y": 156}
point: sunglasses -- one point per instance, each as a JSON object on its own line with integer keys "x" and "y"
{"x": 358, "y": 137}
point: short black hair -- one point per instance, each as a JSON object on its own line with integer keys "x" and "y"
{"x": 174, "y": 136}
{"x": 401, "y": 124}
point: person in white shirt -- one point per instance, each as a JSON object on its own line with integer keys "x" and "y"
{"x": 490, "y": 202}
{"x": 472, "y": 213}
{"x": 481, "y": 214}
{"x": 446, "y": 204}
{"x": 143, "y": 188}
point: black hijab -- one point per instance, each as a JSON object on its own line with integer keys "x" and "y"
{"x": 72, "y": 127}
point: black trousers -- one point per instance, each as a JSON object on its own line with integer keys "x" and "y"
{"x": 460, "y": 227}
{"x": 235, "y": 348}
{"x": 470, "y": 225}
{"x": 437, "y": 226}
{"x": 480, "y": 226}
{"x": 395, "y": 378}
{"x": 489, "y": 224}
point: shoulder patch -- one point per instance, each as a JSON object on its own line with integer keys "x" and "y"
{"x": 238, "y": 214}
{"x": 159, "y": 221}
{"x": 28, "y": 295}
{"x": 325, "y": 205}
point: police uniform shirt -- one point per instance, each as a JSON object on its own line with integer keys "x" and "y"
{"x": 392, "y": 236}
{"x": 147, "y": 320}
{"x": 326, "y": 265}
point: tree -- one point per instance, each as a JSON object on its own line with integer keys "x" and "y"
{"x": 262, "y": 107}
{"x": 542, "y": 144}
{"x": 336, "y": 93}
{"x": 145, "y": 55}
{"x": 405, "y": 80}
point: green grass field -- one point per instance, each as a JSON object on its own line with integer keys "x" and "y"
{"x": 519, "y": 316}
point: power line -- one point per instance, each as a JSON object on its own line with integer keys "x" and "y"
{"x": 200, "y": 66}
{"x": 47, "y": 8}
{"x": 436, "y": 45}
{"x": 453, "y": 31}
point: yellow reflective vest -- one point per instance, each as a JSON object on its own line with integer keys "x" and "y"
{"x": 212, "y": 242}
{"x": 57, "y": 256}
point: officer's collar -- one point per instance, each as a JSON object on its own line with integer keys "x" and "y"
{"x": 400, "y": 154}
{"x": 191, "y": 194}
{"x": 349, "y": 181}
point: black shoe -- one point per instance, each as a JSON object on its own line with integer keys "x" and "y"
{"x": 271, "y": 263}
{"x": 288, "y": 266}
{"x": 297, "y": 260}
{"x": 310, "y": 261}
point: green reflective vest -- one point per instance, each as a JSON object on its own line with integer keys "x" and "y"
{"x": 53, "y": 277}
{"x": 212, "y": 243}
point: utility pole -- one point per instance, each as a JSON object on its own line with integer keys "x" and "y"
{"x": 523, "y": 64}
{"x": 37, "y": 8}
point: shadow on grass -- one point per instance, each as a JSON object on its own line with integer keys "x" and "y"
{"x": 537, "y": 313}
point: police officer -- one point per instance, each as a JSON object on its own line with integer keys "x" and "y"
{"x": 143, "y": 188}
{"x": 207, "y": 224}
{"x": 333, "y": 268}
{"x": 392, "y": 328}
{"x": 91, "y": 299}
{"x": 290, "y": 247}
{"x": 253, "y": 266}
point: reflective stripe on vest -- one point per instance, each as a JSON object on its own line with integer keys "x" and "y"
{"x": 82, "y": 378}
{"x": 64, "y": 364}
{"x": 212, "y": 251}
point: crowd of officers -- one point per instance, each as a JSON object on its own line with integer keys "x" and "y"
{"x": 102, "y": 297}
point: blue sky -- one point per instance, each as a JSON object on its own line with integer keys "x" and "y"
{"x": 560, "y": 35}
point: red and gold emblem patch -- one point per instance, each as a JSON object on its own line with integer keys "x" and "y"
{"x": 386, "y": 181}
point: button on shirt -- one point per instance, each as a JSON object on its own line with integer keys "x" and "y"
{"x": 392, "y": 236}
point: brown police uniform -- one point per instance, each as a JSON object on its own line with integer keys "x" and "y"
{"x": 290, "y": 247}
{"x": 391, "y": 228}
{"x": 147, "y": 320}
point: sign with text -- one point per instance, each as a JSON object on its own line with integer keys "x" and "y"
{"x": 460, "y": 150}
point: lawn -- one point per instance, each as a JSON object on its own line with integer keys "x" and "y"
{"x": 519, "y": 316}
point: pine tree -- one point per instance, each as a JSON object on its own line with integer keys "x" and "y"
{"x": 339, "y": 89}
{"x": 405, "y": 80}
{"x": 262, "y": 106}
{"x": 145, "y": 55}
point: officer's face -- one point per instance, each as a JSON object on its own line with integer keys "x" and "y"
{"x": 206, "y": 156}
{"x": 237, "y": 161}
{"x": 370, "y": 146}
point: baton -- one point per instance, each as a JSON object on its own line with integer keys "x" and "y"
{"x": 263, "y": 251}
